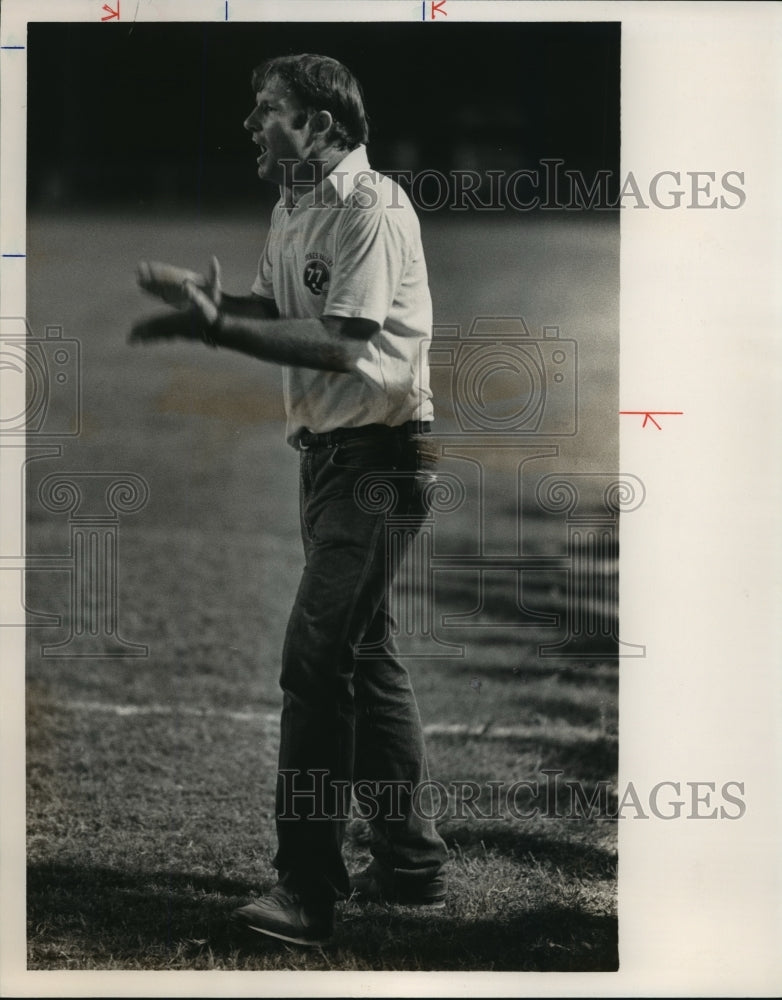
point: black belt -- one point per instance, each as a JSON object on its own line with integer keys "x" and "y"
{"x": 330, "y": 439}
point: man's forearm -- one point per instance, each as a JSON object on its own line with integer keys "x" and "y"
{"x": 249, "y": 305}
{"x": 251, "y": 326}
{"x": 309, "y": 343}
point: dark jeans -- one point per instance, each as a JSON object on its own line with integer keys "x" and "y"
{"x": 349, "y": 718}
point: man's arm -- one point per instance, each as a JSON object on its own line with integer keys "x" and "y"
{"x": 248, "y": 324}
{"x": 250, "y": 306}
{"x": 331, "y": 343}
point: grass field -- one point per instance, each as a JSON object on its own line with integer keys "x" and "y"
{"x": 150, "y": 807}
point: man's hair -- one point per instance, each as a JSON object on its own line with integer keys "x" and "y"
{"x": 321, "y": 84}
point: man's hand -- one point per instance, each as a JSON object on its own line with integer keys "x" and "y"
{"x": 167, "y": 282}
{"x": 197, "y": 297}
{"x": 206, "y": 297}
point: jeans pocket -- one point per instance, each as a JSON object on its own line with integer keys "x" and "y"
{"x": 421, "y": 461}
{"x": 365, "y": 455}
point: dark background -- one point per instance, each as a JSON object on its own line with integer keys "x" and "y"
{"x": 480, "y": 96}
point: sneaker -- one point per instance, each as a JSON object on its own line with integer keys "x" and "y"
{"x": 378, "y": 885}
{"x": 283, "y": 914}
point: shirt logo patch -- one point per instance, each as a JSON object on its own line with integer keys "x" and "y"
{"x": 317, "y": 272}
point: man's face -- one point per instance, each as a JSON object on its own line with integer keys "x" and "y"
{"x": 280, "y": 126}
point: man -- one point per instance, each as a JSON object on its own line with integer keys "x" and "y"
{"x": 341, "y": 301}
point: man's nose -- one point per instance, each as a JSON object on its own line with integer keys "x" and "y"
{"x": 249, "y": 123}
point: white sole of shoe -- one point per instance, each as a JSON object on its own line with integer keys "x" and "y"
{"x": 286, "y": 937}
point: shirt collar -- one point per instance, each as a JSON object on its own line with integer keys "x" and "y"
{"x": 342, "y": 178}
{"x": 338, "y": 183}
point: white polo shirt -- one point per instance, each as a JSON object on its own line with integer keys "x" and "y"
{"x": 352, "y": 247}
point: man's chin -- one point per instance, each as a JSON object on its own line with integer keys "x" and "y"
{"x": 270, "y": 174}
{"x": 266, "y": 169}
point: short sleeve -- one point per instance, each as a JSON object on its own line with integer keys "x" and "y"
{"x": 263, "y": 284}
{"x": 371, "y": 257}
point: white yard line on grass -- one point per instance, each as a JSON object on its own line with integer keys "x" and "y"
{"x": 564, "y": 732}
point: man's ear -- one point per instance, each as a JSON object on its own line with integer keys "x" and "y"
{"x": 321, "y": 122}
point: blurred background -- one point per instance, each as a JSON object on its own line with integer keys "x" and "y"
{"x": 150, "y": 115}
{"x": 136, "y": 148}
